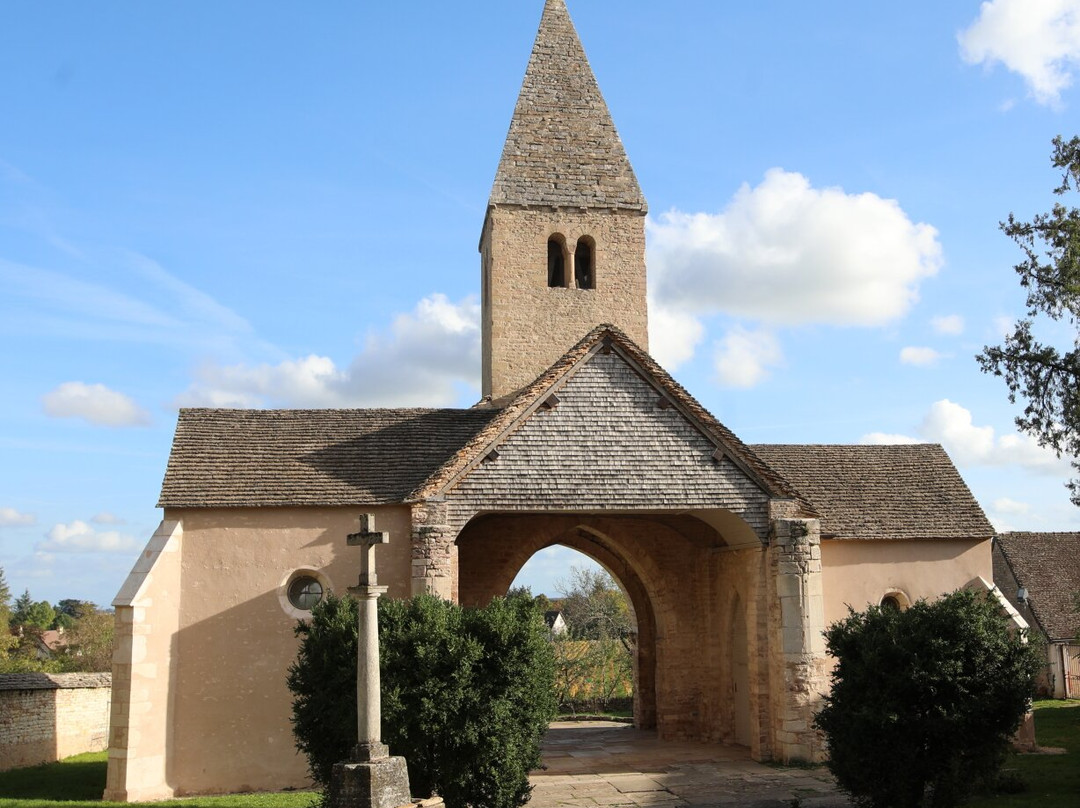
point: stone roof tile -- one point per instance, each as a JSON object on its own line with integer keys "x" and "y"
{"x": 562, "y": 149}
{"x": 247, "y": 458}
{"x": 516, "y": 407}
{"x": 1048, "y": 566}
{"x": 909, "y": 491}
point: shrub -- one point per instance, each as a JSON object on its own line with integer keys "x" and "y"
{"x": 466, "y": 694}
{"x": 924, "y": 702}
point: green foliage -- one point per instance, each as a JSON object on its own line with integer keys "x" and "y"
{"x": 323, "y": 683}
{"x": 7, "y": 641}
{"x": 77, "y": 782}
{"x": 89, "y": 643}
{"x": 466, "y": 694}
{"x": 594, "y": 660}
{"x": 924, "y": 702}
{"x": 1046, "y": 377}
{"x": 27, "y": 612}
{"x": 594, "y": 607}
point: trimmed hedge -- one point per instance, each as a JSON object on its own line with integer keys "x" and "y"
{"x": 467, "y": 694}
{"x": 924, "y": 702}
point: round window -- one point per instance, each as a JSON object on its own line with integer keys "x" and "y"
{"x": 890, "y": 602}
{"x": 304, "y": 592}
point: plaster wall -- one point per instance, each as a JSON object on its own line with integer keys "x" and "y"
{"x": 229, "y": 720}
{"x": 861, "y": 573}
{"x": 526, "y": 325}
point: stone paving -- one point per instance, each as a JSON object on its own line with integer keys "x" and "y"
{"x": 603, "y": 763}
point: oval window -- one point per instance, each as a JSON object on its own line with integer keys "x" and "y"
{"x": 305, "y": 592}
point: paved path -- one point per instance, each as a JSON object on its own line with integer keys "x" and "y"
{"x": 596, "y": 763}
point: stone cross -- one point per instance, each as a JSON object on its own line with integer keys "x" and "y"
{"x": 368, "y": 707}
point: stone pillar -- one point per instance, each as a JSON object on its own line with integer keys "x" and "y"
{"x": 434, "y": 553}
{"x": 797, "y": 643}
{"x": 371, "y": 778}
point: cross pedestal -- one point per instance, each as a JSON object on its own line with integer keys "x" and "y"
{"x": 371, "y": 778}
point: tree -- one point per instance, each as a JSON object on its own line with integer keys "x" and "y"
{"x": 39, "y": 615}
{"x": 89, "y": 642}
{"x": 466, "y": 694}
{"x": 924, "y": 702}
{"x": 1046, "y": 377}
{"x": 594, "y": 606}
{"x": 7, "y": 641}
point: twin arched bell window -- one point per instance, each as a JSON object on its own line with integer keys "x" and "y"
{"x": 562, "y": 267}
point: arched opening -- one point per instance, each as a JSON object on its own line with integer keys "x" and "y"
{"x": 592, "y": 627}
{"x": 556, "y": 261}
{"x": 584, "y": 263}
{"x": 493, "y": 549}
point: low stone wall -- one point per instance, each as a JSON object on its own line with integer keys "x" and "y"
{"x": 49, "y": 716}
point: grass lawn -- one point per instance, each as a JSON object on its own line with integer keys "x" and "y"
{"x": 77, "y": 782}
{"x": 1052, "y": 780}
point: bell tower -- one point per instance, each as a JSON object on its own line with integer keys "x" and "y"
{"x": 563, "y": 244}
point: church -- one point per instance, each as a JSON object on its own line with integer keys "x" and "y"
{"x": 734, "y": 556}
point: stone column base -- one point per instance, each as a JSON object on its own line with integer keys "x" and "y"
{"x": 375, "y": 784}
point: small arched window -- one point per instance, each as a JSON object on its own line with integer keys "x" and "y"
{"x": 584, "y": 277}
{"x": 895, "y": 600}
{"x": 556, "y": 262}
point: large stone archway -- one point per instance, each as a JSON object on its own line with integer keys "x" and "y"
{"x": 683, "y": 581}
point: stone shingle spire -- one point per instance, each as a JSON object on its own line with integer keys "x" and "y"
{"x": 562, "y": 149}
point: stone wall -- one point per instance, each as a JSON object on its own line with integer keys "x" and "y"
{"x": 47, "y": 717}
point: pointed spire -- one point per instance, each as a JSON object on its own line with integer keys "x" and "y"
{"x": 562, "y": 149}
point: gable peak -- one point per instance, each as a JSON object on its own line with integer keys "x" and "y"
{"x": 562, "y": 149}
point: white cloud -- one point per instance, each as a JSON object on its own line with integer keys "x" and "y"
{"x": 886, "y": 439}
{"x": 1003, "y": 511}
{"x": 949, "y": 324}
{"x": 1010, "y": 506}
{"x": 79, "y": 537}
{"x": 1039, "y": 39}
{"x": 953, "y": 427}
{"x": 743, "y": 357}
{"x": 9, "y": 517}
{"x": 424, "y": 359}
{"x": 787, "y": 253}
{"x": 106, "y": 518}
{"x": 673, "y": 335}
{"x": 920, "y": 357}
{"x": 95, "y": 403}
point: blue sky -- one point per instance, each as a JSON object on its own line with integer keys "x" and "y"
{"x": 275, "y": 204}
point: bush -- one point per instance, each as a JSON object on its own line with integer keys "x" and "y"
{"x": 924, "y": 702}
{"x": 466, "y": 694}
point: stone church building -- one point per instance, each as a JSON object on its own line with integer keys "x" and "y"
{"x": 734, "y": 556}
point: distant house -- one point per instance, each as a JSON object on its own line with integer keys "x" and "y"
{"x": 555, "y": 622}
{"x": 50, "y": 643}
{"x": 1040, "y": 575}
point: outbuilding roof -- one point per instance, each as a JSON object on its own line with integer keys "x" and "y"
{"x": 907, "y": 491}
{"x": 1047, "y": 565}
